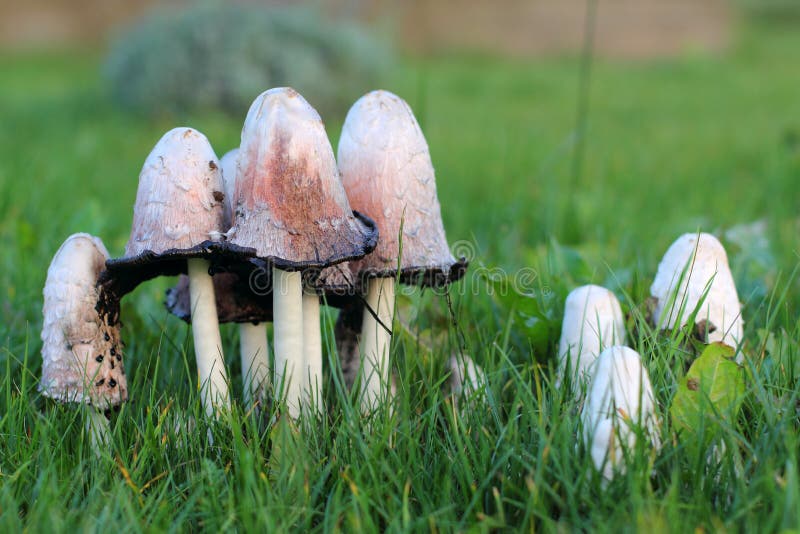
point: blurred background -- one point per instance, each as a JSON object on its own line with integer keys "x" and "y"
{"x": 578, "y": 137}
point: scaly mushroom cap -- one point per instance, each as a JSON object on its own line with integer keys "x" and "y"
{"x": 239, "y": 300}
{"x": 81, "y": 349}
{"x": 620, "y": 397}
{"x": 387, "y": 172}
{"x": 178, "y": 212}
{"x": 592, "y": 321}
{"x": 289, "y": 203}
{"x": 682, "y": 280}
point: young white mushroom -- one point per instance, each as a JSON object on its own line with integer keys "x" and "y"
{"x": 695, "y": 270}
{"x": 290, "y": 207}
{"x": 619, "y": 404}
{"x": 387, "y": 173}
{"x": 81, "y": 348}
{"x": 178, "y": 212}
{"x": 592, "y": 321}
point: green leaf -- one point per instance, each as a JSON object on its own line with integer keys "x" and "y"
{"x": 709, "y": 396}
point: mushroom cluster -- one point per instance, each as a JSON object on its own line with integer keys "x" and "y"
{"x": 267, "y": 233}
{"x": 693, "y": 287}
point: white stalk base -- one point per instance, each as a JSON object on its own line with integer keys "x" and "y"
{"x": 207, "y": 342}
{"x": 287, "y": 312}
{"x": 375, "y": 342}
{"x": 99, "y": 431}
{"x": 255, "y": 361}
{"x": 312, "y": 343}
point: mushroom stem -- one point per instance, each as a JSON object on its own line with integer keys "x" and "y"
{"x": 207, "y": 341}
{"x": 287, "y": 307}
{"x": 255, "y": 360}
{"x": 99, "y": 430}
{"x": 375, "y": 341}
{"x": 312, "y": 340}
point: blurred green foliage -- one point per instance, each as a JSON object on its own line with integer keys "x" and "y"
{"x": 222, "y": 56}
{"x": 771, "y": 10}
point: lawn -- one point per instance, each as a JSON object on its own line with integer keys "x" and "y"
{"x": 670, "y": 146}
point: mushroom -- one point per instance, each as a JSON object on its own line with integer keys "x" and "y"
{"x": 387, "y": 172}
{"x": 694, "y": 281}
{"x": 178, "y": 212}
{"x": 619, "y": 399}
{"x": 592, "y": 321}
{"x": 290, "y": 207}
{"x": 81, "y": 348}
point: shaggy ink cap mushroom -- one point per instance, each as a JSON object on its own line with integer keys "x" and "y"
{"x": 619, "y": 398}
{"x": 387, "y": 172}
{"x": 178, "y": 213}
{"x": 289, "y": 203}
{"x": 81, "y": 347}
{"x": 592, "y": 321}
{"x": 177, "y": 216}
{"x": 693, "y": 270}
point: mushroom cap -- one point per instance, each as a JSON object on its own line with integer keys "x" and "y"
{"x": 620, "y": 395}
{"x": 81, "y": 349}
{"x": 338, "y": 284}
{"x": 387, "y": 172}
{"x": 681, "y": 281}
{"x": 239, "y": 299}
{"x": 289, "y": 202}
{"x": 592, "y": 321}
{"x": 228, "y": 166}
{"x": 178, "y": 212}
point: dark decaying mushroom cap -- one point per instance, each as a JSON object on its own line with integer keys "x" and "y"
{"x": 289, "y": 203}
{"x": 81, "y": 348}
{"x": 387, "y": 172}
{"x": 238, "y": 301}
{"x": 178, "y": 211}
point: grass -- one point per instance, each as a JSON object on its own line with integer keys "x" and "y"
{"x": 698, "y": 142}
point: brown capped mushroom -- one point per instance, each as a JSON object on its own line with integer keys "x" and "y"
{"x": 177, "y": 215}
{"x": 387, "y": 172}
{"x": 290, "y": 206}
{"x": 81, "y": 348}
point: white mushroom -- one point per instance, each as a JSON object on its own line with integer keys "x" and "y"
{"x": 619, "y": 402}
{"x": 694, "y": 276}
{"x": 178, "y": 212}
{"x": 388, "y": 174}
{"x": 81, "y": 348}
{"x": 592, "y": 321}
